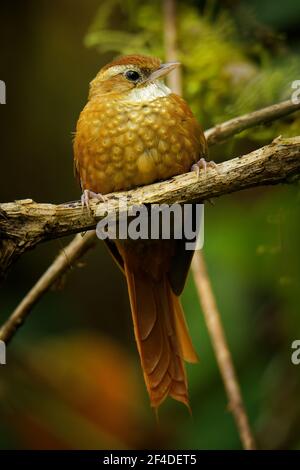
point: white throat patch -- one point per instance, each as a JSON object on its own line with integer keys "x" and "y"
{"x": 149, "y": 92}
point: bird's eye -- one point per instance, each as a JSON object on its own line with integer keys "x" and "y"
{"x": 132, "y": 75}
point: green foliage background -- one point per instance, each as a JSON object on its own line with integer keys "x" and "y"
{"x": 227, "y": 70}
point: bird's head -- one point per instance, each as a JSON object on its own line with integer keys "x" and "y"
{"x": 133, "y": 78}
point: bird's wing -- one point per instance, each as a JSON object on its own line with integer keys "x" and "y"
{"x": 180, "y": 263}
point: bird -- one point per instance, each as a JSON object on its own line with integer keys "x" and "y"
{"x": 134, "y": 131}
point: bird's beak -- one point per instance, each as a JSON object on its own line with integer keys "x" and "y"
{"x": 163, "y": 70}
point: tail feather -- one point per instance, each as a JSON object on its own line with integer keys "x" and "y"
{"x": 162, "y": 337}
{"x": 188, "y": 351}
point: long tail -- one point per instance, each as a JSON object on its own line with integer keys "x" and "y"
{"x": 162, "y": 337}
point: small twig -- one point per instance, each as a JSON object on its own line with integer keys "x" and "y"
{"x": 221, "y": 349}
{"x": 174, "y": 78}
{"x": 221, "y": 132}
{"x": 75, "y": 250}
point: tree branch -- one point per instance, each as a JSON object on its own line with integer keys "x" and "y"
{"x": 15, "y": 240}
{"x": 25, "y": 223}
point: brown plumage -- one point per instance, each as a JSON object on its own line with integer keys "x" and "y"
{"x": 134, "y": 131}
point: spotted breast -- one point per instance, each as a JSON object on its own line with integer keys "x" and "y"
{"x": 121, "y": 144}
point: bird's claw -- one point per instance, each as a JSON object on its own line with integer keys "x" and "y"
{"x": 87, "y": 195}
{"x": 202, "y": 164}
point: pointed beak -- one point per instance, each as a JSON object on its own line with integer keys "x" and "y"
{"x": 163, "y": 70}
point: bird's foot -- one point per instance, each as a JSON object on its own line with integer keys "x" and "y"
{"x": 202, "y": 164}
{"x": 87, "y": 195}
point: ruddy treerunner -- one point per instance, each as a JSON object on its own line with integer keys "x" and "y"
{"x": 134, "y": 131}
